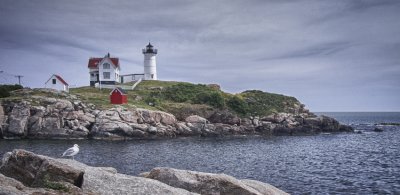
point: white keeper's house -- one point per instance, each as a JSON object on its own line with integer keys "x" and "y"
{"x": 57, "y": 82}
{"x": 104, "y": 70}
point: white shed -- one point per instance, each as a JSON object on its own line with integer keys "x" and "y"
{"x": 58, "y": 83}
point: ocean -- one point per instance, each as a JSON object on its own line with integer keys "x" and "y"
{"x": 339, "y": 163}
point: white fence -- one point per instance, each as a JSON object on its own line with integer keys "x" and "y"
{"x": 103, "y": 86}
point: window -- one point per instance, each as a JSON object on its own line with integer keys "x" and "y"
{"x": 152, "y": 76}
{"x": 106, "y": 66}
{"x": 54, "y": 81}
{"x": 106, "y": 75}
{"x": 92, "y": 75}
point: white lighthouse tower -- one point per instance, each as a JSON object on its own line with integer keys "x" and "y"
{"x": 150, "y": 69}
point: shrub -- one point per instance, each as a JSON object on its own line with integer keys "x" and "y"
{"x": 5, "y": 89}
{"x": 238, "y": 105}
{"x": 214, "y": 99}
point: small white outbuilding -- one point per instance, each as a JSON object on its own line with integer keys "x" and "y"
{"x": 57, "y": 82}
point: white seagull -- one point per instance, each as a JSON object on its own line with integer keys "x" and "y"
{"x": 71, "y": 151}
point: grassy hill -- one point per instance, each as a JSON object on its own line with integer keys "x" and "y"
{"x": 182, "y": 98}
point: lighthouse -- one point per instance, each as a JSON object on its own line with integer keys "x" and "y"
{"x": 150, "y": 68}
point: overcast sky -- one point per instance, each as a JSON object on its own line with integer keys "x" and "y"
{"x": 333, "y": 55}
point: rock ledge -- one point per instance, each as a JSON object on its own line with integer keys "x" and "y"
{"x": 23, "y": 172}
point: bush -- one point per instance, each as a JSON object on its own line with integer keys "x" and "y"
{"x": 153, "y": 99}
{"x": 263, "y": 103}
{"x": 238, "y": 105}
{"x": 198, "y": 94}
{"x": 214, "y": 99}
{"x": 5, "y": 89}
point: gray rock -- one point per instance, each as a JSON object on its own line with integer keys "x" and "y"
{"x": 34, "y": 125}
{"x": 225, "y": 117}
{"x": 263, "y": 188}
{"x": 105, "y": 181}
{"x": 73, "y": 177}
{"x": 50, "y": 123}
{"x": 18, "y": 119}
{"x": 196, "y": 119}
{"x": 208, "y": 183}
{"x": 115, "y": 127}
{"x": 11, "y": 186}
{"x": 2, "y": 116}
{"x": 256, "y": 121}
{"x": 153, "y": 117}
{"x": 152, "y": 130}
{"x": 142, "y": 127}
{"x": 61, "y": 104}
{"x": 40, "y": 171}
{"x": 314, "y": 121}
{"x": 182, "y": 129}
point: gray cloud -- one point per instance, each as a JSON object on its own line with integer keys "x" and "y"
{"x": 332, "y": 55}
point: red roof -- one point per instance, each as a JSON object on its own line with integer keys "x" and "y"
{"x": 61, "y": 79}
{"x": 93, "y": 62}
{"x": 121, "y": 91}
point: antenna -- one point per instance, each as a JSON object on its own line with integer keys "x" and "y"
{"x": 19, "y": 78}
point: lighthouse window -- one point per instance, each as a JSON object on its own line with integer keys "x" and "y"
{"x": 106, "y": 75}
{"x": 152, "y": 76}
{"x": 106, "y": 66}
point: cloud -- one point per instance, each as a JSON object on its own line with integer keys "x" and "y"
{"x": 311, "y": 49}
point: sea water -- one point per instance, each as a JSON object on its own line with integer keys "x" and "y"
{"x": 340, "y": 163}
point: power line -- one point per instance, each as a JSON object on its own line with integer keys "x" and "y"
{"x": 8, "y": 74}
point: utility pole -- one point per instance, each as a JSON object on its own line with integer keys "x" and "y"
{"x": 19, "y": 78}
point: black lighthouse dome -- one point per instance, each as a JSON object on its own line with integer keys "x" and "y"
{"x": 149, "y": 49}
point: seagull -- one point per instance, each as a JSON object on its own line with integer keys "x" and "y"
{"x": 71, "y": 151}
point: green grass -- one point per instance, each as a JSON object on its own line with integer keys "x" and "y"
{"x": 146, "y": 85}
{"x": 182, "y": 98}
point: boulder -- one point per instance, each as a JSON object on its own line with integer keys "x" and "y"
{"x": 18, "y": 119}
{"x": 113, "y": 127}
{"x": 40, "y": 171}
{"x": 196, "y": 119}
{"x": 182, "y": 129}
{"x": 72, "y": 177}
{"x": 263, "y": 188}
{"x": 11, "y": 186}
{"x": 208, "y": 183}
{"x": 61, "y": 104}
{"x": 154, "y": 117}
{"x": 225, "y": 117}
{"x": 34, "y": 125}
{"x": 312, "y": 121}
{"x": 101, "y": 180}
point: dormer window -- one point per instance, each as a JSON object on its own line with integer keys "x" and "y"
{"x": 106, "y": 66}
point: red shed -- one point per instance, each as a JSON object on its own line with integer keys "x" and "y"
{"x": 118, "y": 96}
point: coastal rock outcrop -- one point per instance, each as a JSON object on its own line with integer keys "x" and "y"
{"x": 23, "y": 172}
{"x": 64, "y": 116}
{"x": 209, "y": 183}
{"x": 68, "y": 176}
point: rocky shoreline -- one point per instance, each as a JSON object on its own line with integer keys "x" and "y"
{"x": 23, "y": 172}
{"x": 65, "y": 116}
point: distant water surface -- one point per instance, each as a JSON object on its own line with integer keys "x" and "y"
{"x": 344, "y": 163}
